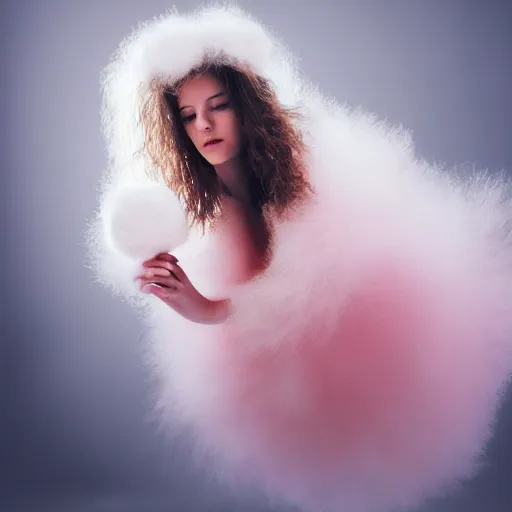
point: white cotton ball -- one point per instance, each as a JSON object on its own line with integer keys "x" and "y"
{"x": 144, "y": 219}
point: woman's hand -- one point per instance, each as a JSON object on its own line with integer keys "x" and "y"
{"x": 165, "y": 279}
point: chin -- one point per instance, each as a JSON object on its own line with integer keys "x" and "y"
{"x": 219, "y": 159}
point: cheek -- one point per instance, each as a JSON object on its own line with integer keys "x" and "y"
{"x": 234, "y": 129}
{"x": 192, "y": 135}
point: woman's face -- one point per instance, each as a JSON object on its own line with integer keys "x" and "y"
{"x": 209, "y": 118}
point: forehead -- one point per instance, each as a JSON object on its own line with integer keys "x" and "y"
{"x": 198, "y": 89}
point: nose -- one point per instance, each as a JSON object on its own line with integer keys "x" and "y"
{"x": 203, "y": 121}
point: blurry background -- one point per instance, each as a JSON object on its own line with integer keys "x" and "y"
{"x": 75, "y": 433}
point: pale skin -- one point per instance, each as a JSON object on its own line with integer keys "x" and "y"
{"x": 207, "y": 114}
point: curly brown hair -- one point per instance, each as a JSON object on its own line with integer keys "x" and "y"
{"x": 273, "y": 151}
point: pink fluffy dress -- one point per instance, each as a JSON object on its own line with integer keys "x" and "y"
{"x": 362, "y": 370}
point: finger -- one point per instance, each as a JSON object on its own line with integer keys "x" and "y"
{"x": 159, "y": 291}
{"x": 165, "y": 268}
{"x": 167, "y": 282}
{"x": 167, "y": 257}
{"x": 163, "y": 256}
{"x": 155, "y": 262}
{"x": 178, "y": 272}
{"x": 155, "y": 271}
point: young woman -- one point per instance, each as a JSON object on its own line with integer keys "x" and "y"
{"x": 240, "y": 153}
{"x": 336, "y": 329}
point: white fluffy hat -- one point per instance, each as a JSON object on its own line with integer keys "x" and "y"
{"x": 170, "y": 46}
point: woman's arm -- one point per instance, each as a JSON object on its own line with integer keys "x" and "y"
{"x": 216, "y": 311}
{"x": 165, "y": 279}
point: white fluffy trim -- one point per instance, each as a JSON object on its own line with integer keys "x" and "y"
{"x": 362, "y": 370}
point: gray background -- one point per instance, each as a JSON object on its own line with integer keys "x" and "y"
{"x": 75, "y": 431}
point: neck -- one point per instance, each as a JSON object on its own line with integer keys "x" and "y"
{"x": 233, "y": 178}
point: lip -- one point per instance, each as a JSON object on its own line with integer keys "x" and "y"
{"x": 212, "y": 142}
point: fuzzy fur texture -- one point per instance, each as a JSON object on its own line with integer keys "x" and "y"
{"x": 362, "y": 370}
{"x": 144, "y": 219}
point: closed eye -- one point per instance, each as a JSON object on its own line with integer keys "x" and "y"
{"x": 222, "y": 106}
{"x": 190, "y": 117}
{"x": 186, "y": 119}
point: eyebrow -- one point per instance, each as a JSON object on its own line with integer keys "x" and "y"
{"x": 207, "y": 99}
